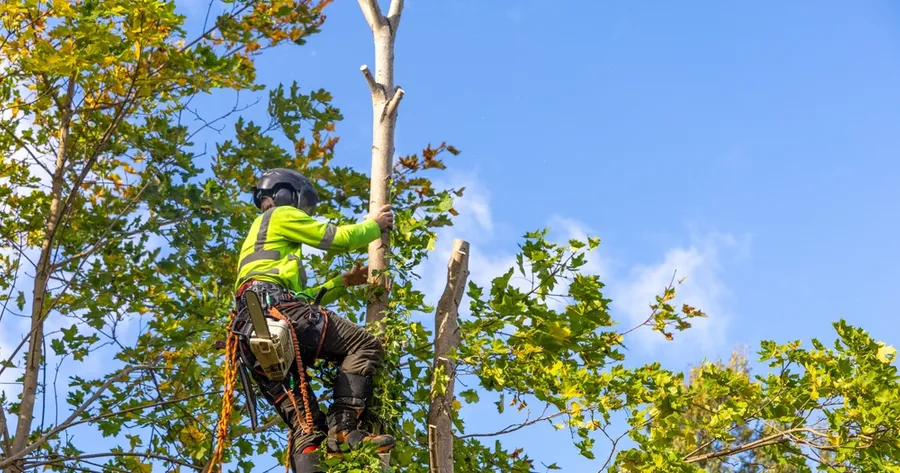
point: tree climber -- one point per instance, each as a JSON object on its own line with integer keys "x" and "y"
{"x": 271, "y": 278}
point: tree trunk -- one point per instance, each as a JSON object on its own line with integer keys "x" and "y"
{"x": 42, "y": 275}
{"x": 446, "y": 339}
{"x": 385, "y": 99}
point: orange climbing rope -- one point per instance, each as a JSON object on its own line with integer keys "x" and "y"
{"x": 230, "y": 373}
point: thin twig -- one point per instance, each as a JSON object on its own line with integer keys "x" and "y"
{"x": 514, "y": 427}
{"x": 632, "y": 329}
{"x": 153, "y": 456}
{"x": 12, "y": 286}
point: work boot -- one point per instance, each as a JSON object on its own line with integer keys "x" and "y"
{"x": 350, "y": 394}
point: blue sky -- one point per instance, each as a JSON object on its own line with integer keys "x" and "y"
{"x": 750, "y": 147}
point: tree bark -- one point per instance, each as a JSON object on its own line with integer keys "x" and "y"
{"x": 39, "y": 291}
{"x": 446, "y": 340}
{"x": 385, "y": 99}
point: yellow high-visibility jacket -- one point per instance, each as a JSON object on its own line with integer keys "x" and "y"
{"x": 273, "y": 248}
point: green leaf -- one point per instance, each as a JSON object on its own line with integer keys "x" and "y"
{"x": 469, "y": 395}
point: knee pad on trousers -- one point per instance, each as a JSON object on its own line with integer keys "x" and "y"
{"x": 305, "y": 463}
{"x": 352, "y": 385}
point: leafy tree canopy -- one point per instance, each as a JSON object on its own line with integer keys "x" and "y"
{"x": 100, "y": 164}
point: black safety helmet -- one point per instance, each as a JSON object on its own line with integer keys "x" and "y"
{"x": 286, "y": 187}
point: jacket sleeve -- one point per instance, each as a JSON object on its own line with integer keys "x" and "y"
{"x": 295, "y": 225}
{"x": 335, "y": 287}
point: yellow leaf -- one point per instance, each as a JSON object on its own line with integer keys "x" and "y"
{"x": 886, "y": 353}
{"x": 456, "y": 405}
{"x": 571, "y": 392}
{"x": 191, "y": 435}
{"x": 559, "y": 332}
{"x": 576, "y": 409}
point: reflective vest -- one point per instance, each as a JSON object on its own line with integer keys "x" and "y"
{"x": 272, "y": 250}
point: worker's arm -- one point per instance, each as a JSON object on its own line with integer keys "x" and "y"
{"x": 295, "y": 225}
{"x": 335, "y": 289}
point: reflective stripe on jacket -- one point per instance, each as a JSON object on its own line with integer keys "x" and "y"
{"x": 272, "y": 250}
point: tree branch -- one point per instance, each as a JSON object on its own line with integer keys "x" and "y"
{"x": 394, "y": 14}
{"x": 206, "y": 33}
{"x": 5, "y": 431}
{"x": 391, "y": 106}
{"x": 18, "y": 248}
{"x": 514, "y": 427}
{"x": 22, "y": 145}
{"x": 773, "y": 439}
{"x": 646, "y": 322}
{"x": 96, "y": 152}
{"x": 153, "y": 456}
{"x": 68, "y": 422}
{"x": 140, "y": 408}
{"x": 612, "y": 448}
{"x": 373, "y": 86}
{"x": 105, "y": 240}
{"x": 372, "y": 12}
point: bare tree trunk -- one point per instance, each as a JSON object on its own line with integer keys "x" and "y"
{"x": 385, "y": 99}
{"x": 446, "y": 339}
{"x": 42, "y": 275}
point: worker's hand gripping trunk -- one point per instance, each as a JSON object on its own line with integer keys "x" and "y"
{"x": 270, "y": 340}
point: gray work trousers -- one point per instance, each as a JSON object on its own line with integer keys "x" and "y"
{"x": 351, "y": 347}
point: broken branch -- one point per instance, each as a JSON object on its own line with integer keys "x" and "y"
{"x": 391, "y": 106}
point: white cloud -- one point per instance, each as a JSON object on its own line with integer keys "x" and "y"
{"x": 632, "y": 287}
{"x": 700, "y": 264}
